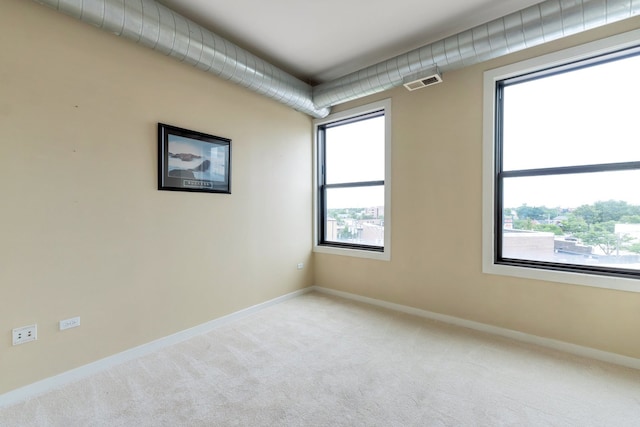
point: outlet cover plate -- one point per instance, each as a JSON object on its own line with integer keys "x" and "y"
{"x": 25, "y": 334}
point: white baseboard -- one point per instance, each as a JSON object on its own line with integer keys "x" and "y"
{"x": 51, "y": 383}
{"x": 578, "y": 350}
{"x": 48, "y": 384}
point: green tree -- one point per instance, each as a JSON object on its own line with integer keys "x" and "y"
{"x": 344, "y": 233}
{"x": 552, "y": 228}
{"x": 604, "y": 211}
{"x": 630, "y": 219}
{"x": 603, "y": 236}
{"x": 613, "y": 210}
{"x": 587, "y": 213}
{"x": 531, "y": 212}
{"x": 536, "y": 213}
{"x": 523, "y": 224}
{"x": 574, "y": 224}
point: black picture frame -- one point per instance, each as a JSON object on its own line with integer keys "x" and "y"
{"x": 193, "y": 161}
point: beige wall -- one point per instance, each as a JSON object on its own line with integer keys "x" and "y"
{"x": 436, "y": 261}
{"x": 84, "y": 231}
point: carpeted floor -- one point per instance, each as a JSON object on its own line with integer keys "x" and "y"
{"x": 317, "y": 360}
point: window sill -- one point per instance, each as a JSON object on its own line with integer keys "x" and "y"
{"x": 358, "y": 253}
{"x": 597, "y": 281}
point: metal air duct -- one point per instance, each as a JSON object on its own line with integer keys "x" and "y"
{"x": 158, "y": 27}
{"x": 535, "y": 25}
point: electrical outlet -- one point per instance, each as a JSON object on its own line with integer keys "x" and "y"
{"x": 25, "y": 334}
{"x": 300, "y": 265}
{"x": 69, "y": 323}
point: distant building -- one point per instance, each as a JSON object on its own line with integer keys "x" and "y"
{"x": 331, "y": 229}
{"x": 371, "y": 234}
{"x": 544, "y": 246}
{"x": 534, "y": 245}
{"x": 631, "y": 230}
{"x": 508, "y": 223}
{"x": 376, "y": 211}
{"x": 571, "y": 246}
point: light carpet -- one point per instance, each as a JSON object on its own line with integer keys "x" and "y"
{"x": 318, "y": 360}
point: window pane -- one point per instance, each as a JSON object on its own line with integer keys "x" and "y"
{"x": 585, "y": 219}
{"x": 586, "y": 116}
{"x": 355, "y": 151}
{"x": 355, "y": 215}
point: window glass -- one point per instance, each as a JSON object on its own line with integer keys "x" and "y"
{"x": 584, "y": 116}
{"x": 355, "y": 151}
{"x": 355, "y": 215}
{"x": 568, "y": 167}
{"x": 586, "y": 219}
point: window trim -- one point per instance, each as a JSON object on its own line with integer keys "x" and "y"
{"x": 363, "y": 252}
{"x": 490, "y": 222}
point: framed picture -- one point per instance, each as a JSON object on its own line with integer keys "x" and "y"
{"x": 193, "y": 161}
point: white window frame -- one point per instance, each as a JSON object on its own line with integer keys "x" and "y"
{"x": 385, "y": 255}
{"x": 491, "y": 77}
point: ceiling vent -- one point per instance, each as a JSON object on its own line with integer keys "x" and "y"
{"x": 428, "y": 77}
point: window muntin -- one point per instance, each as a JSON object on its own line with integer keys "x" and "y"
{"x": 566, "y": 145}
{"x": 352, "y": 176}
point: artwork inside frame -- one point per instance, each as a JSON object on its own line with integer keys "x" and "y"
{"x": 193, "y": 161}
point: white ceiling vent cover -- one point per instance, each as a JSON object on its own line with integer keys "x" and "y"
{"x": 428, "y": 77}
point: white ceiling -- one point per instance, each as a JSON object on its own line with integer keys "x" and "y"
{"x": 320, "y": 40}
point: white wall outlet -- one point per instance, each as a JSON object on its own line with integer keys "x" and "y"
{"x": 69, "y": 323}
{"x": 25, "y": 334}
{"x": 300, "y": 265}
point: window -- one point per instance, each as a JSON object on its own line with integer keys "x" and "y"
{"x": 562, "y": 166}
{"x": 352, "y": 182}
